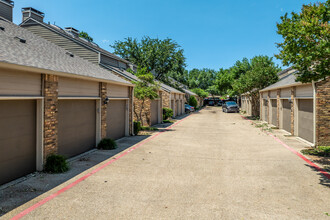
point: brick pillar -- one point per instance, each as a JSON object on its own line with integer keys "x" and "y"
{"x": 278, "y": 103}
{"x": 293, "y": 90}
{"x": 130, "y": 117}
{"x": 50, "y": 93}
{"x": 323, "y": 113}
{"x": 103, "y": 94}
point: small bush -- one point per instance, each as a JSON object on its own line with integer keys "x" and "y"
{"x": 193, "y": 101}
{"x": 56, "y": 164}
{"x": 167, "y": 113}
{"x": 107, "y": 144}
{"x": 137, "y": 127}
{"x": 323, "y": 151}
{"x": 167, "y": 121}
{"x": 145, "y": 128}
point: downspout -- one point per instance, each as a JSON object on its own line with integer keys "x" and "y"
{"x": 314, "y": 113}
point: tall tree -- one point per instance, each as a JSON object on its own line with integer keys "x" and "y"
{"x": 85, "y": 35}
{"x": 159, "y": 56}
{"x": 145, "y": 88}
{"x": 201, "y": 78}
{"x": 306, "y": 41}
{"x": 262, "y": 73}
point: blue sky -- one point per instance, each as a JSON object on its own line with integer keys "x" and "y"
{"x": 213, "y": 33}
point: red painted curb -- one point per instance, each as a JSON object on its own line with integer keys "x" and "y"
{"x": 325, "y": 173}
{"x": 35, "y": 206}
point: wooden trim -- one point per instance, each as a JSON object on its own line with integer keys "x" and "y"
{"x": 20, "y": 97}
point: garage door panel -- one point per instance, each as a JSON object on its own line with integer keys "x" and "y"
{"x": 305, "y": 119}
{"x": 76, "y": 126}
{"x": 17, "y": 139}
{"x": 154, "y": 112}
{"x": 274, "y": 112}
{"x": 286, "y": 115}
{"x": 116, "y": 119}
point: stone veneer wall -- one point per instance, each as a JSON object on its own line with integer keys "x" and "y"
{"x": 146, "y": 113}
{"x": 50, "y": 93}
{"x": 103, "y": 95}
{"x": 166, "y": 97}
{"x": 323, "y": 113}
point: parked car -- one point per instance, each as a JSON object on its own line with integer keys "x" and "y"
{"x": 188, "y": 108}
{"x": 220, "y": 103}
{"x": 230, "y": 106}
{"x": 211, "y": 103}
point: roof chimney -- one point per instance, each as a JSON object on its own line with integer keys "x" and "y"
{"x": 6, "y": 9}
{"x": 72, "y": 31}
{"x": 32, "y": 13}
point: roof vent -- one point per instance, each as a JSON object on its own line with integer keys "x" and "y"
{"x": 6, "y": 11}
{"x": 21, "y": 40}
{"x": 69, "y": 54}
{"x": 72, "y": 31}
{"x": 32, "y": 13}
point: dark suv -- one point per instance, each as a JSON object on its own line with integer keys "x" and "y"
{"x": 230, "y": 106}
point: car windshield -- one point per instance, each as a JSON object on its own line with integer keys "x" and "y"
{"x": 231, "y": 103}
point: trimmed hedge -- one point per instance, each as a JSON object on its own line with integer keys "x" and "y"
{"x": 56, "y": 164}
{"x": 137, "y": 127}
{"x": 167, "y": 113}
{"x": 107, "y": 144}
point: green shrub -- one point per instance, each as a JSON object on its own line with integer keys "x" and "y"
{"x": 167, "y": 121}
{"x": 107, "y": 144}
{"x": 193, "y": 101}
{"x": 56, "y": 164}
{"x": 167, "y": 113}
{"x": 137, "y": 127}
{"x": 145, "y": 128}
{"x": 319, "y": 151}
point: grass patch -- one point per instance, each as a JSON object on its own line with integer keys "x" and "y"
{"x": 56, "y": 164}
{"x": 107, "y": 144}
{"x": 145, "y": 128}
{"x": 167, "y": 121}
{"x": 323, "y": 151}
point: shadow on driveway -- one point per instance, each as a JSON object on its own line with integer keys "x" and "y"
{"x": 23, "y": 190}
{"x": 325, "y": 181}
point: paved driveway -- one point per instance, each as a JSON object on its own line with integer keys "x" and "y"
{"x": 212, "y": 165}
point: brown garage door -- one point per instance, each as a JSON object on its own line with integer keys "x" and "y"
{"x": 286, "y": 115}
{"x": 154, "y": 112}
{"x": 265, "y": 110}
{"x": 76, "y": 126}
{"x": 305, "y": 119}
{"x": 116, "y": 119}
{"x": 274, "y": 112}
{"x": 17, "y": 139}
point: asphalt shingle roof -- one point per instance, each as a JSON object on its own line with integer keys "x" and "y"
{"x": 80, "y": 40}
{"x": 285, "y": 81}
{"x": 40, "y": 53}
{"x": 190, "y": 92}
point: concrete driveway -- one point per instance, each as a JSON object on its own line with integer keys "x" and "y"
{"x": 211, "y": 165}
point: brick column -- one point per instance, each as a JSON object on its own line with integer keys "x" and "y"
{"x": 278, "y": 103}
{"x": 293, "y": 91}
{"x": 50, "y": 93}
{"x": 103, "y": 94}
{"x": 323, "y": 113}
